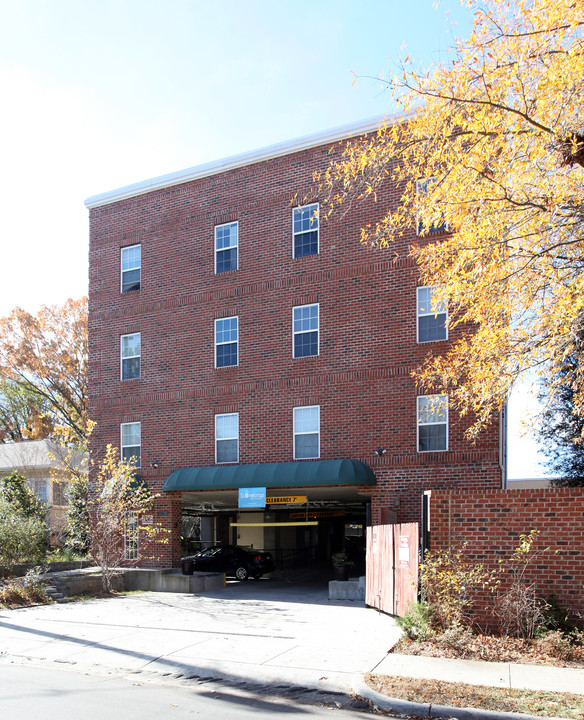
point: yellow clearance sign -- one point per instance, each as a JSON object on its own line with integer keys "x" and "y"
{"x": 286, "y": 500}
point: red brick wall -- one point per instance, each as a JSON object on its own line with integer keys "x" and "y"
{"x": 361, "y": 379}
{"x": 491, "y": 521}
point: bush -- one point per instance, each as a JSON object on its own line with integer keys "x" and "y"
{"x": 22, "y": 538}
{"x": 20, "y": 592}
{"x": 416, "y": 623}
{"x": 563, "y": 647}
{"x": 458, "y": 638}
{"x": 519, "y": 609}
{"x": 451, "y": 584}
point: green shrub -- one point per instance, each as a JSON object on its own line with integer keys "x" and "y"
{"x": 22, "y": 538}
{"x": 416, "y": 622}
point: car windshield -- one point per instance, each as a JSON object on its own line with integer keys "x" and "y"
{"x": 210, "y": 552}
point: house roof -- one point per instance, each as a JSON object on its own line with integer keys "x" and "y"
{"x": 33, "y": 454}
{"x": 215, "y": 167}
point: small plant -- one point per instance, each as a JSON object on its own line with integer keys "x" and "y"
{"x": 341, "y": 558}
{"x": 416, "y": 623}
{"x": 520, "y": 611}
{"x": 558, "y": 645}
{"x": 458, "y": 638}
{"x": 20, "y": 592}
{"x": 451, "y": 584}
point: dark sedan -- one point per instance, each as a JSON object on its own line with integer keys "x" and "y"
{"x": 232, "y": 560}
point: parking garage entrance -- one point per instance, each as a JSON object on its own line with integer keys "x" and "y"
{"x": 312, "y": 509}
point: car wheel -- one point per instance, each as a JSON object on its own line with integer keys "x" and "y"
{"x": 241, "y": 573}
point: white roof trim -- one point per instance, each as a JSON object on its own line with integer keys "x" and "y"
{"x": 236, "y": 161}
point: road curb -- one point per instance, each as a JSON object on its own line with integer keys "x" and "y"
{"x": 406, "y": 707}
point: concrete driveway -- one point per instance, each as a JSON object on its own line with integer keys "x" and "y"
{"x": 260, "y": 633}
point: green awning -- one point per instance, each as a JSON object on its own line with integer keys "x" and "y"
{"x": 289, "y": 474}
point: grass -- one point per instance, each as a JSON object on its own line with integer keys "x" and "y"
{"x": 435, "y": 692}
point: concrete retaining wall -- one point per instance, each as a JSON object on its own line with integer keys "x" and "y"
{"x": 156, "y": 580}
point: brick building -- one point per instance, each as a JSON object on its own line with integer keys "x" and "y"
{"x": 237, "y": 341}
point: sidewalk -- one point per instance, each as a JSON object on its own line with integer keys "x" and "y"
{"x": 253, "y": 634}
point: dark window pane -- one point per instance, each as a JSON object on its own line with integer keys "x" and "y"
{"x": 131, "y": 368}
{"x": 226, "y": 355}
{"x": 431, "y": 328}
{"x": 306, "y": 243}
{"x": 226, "y": 451}
{"x": 307, "y": 446}
{"x": 226, "y": 260}
{"x": 432, "y": 437}
{"x": 131, "y": 280}
{"x": 129, "y": 452}
{"x": 306, "y": 344}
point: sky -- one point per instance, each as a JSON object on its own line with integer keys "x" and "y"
{"x": 98, "y": 94}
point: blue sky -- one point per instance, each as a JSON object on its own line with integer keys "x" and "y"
{"x": 97, "y": 94}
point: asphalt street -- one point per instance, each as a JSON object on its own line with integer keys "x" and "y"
{"x": 46, "y": 694}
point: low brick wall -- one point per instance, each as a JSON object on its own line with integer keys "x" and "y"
{"x": 491, "y": 521}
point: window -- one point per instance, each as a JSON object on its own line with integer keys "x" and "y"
{"x": 305, "y": 330}
{"x": 226, "y": 243}
{"x": 431, "y": 316}
{"x": 131, "y": 440}
{"x": 131, "y": 268}
{"x": 227, "y": 438}
{"x": 60, "y": 488}
{"x": 307, "y": 432}
{"x": 130, "y": 356}
{"x": 40, "y": 488}
{"x": 423, "y": 187}
{"x": 305, "y": 230}
{"x": 226, "y": 342}
{"x": 432, "y": 423}
{"x": 131, "y": 536}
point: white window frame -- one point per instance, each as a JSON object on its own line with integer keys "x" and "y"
{"x": 312, "y": 432}
{"x": 131, "y": 536}
{"x": 139, "y": 446}
{"x": 236, "y": 245}
{"x": 303, "y": 332}
{"x": 429, "y": 311}
{"x": 218, "y": 439}
{"x": 130, "y": 357}
{"x": 128, "y": 269}
{"x": 316, "y": 217}
{"x": 419, "y": 400}
{"x": 229, "y": 342}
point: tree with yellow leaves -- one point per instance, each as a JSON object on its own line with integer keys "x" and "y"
{"x": 117, "y": 503}
{"x": 494, "y": 138}
{"x": 43, "y": 361}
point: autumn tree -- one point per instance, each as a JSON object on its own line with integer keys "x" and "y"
{"x": 496, "y": 136}
{"x": 117, "y": 502}
{"x": 44, "y": 357}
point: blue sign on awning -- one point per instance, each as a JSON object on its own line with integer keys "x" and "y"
{"x": 252, "y": 497}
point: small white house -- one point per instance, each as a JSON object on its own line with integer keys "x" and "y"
{"x": 33, "y": 459}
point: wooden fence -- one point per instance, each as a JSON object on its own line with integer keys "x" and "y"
{"x": 392, "y": 567}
